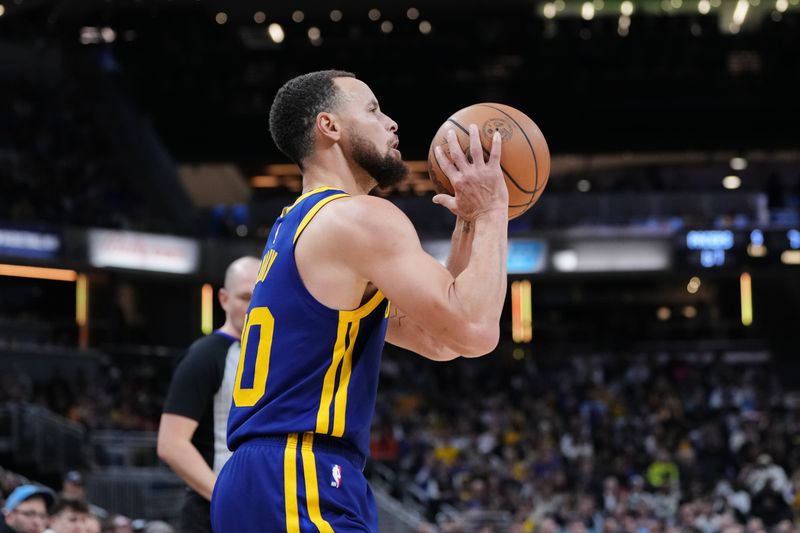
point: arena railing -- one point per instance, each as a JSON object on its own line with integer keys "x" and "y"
{"x": 152, "y": 493}
{"x": 39, "y": 437}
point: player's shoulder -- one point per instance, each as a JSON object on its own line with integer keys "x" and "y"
{"x": 364, "y": 215}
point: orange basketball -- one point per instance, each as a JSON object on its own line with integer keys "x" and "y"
{"x": 525, "y": 158}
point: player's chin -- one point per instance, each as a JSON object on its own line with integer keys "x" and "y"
{"x": 395, "y": 153}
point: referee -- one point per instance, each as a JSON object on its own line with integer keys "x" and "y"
{"x": 192, "y": 436}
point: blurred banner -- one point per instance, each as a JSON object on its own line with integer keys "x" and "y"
{"x": 613, "y": 256}
{"x": 525, "y": 256}
{"x": 143, "y": 251}
{"x": 29, "y": 243}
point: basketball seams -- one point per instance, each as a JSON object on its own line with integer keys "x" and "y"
{"x": 530, "y": 145}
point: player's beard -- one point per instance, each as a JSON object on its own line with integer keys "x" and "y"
{"x": 385, "y": 169}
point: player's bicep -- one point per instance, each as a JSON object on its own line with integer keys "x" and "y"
{"x": 388, "y": 253}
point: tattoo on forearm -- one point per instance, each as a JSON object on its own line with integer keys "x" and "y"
{"x": 396, "y": 314}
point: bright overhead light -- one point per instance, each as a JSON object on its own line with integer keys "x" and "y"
{"x": 314, "y": 33}
{"x": 689, "y": 311}
{"x": 738, "y": 163}
{"x": 731, "y": 182}
{"x": 387, "y": 26}
{"x": 549, "y": 10}
{"x": 704, "y": 6}
{"x": 584, "y": 185}
{"x": 626, "y": 8}
{"x": 587, "y": 11}
{"x": 374, "y": 14}
{"x": 676, "y": 4}
{"x": 740, "y": 13}
{"x": 425, "y": 27}
{"x": 336, "y": 15}
{"x": 2, "y": 10}
{"x": 694, "y": 285}
{"x": 298, "y": 16}
{"x": 259, "y": 17}
{"x": 221, "y": 17}
{"x": 663, "y": 313}
{"x": 275, "y": 32}
{"x": 780, "y": 5}
{"x": 108, "y": 34}
{"x": 412, "y": 13}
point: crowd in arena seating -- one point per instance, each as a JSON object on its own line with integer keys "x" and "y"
{"x": 55, "y": 165}
{"x": 29, "y": 507}
{"x": 125, "y": 396}
{"x": 594, "y": 444}
{"x": 583, "y": 444}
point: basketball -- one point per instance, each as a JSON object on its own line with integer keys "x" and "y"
{"x": 525, "y": 158}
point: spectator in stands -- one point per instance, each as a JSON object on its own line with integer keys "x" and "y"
{"x": 158, "y": 527}
{"x": 68, "y": 515}
{"x": 72, "y": 486}
{"x": 119, "y": 524}
{"x": 25, "y": 510}
{"x": 92, "y": 524}
{"x": 192, "y": 437}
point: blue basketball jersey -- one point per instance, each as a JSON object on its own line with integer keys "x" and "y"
{"x": 304, "y": 367}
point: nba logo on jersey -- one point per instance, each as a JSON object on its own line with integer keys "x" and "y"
{"x": 336, "y": 473}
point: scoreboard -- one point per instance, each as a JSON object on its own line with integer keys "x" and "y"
{"x": 720, "y": 248}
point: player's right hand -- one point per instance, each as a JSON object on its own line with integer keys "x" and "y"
{"x": 478, "y": 184}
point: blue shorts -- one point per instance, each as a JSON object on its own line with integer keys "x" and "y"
{"x": 294, "y": 485}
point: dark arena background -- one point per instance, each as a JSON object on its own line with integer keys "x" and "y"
{"x": 648, "y": 375}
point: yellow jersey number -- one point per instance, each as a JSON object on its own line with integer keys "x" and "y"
{"x": 258, "y": 316}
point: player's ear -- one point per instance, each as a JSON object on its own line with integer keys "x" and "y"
{"x": 328, "y": 126}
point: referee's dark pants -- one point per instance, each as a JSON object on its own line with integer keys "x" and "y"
{"x": 195, "y": 514}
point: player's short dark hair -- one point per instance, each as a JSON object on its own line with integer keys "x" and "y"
{"x": 73, "y": 504}
{"x": 295, "y": 108}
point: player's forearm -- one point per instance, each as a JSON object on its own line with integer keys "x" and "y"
{"x": 480, "y": 289}
{"x": 190, "y": 466}
{"x": 404, "y": 332}
{"x": 460, "y": 247}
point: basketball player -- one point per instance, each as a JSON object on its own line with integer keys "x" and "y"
{"x": 305, "y": 387}
{"x": 192, "y": 432}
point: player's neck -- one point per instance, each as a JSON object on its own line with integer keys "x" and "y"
{"x": 336, "y": 172}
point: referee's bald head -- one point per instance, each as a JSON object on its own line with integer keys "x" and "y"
{"x": 241, "y": 267}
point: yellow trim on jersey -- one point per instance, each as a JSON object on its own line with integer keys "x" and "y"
{"x": 313, "y": 211}
{"x": 290, "y": 484}
{"x": 340, "y": 404}
{"x": 364, "y": 310}
{"x": 304, "y": 196}
{"x": 266, "y": 264}
{"x": 323, "y": 414}
{"x": 342, "y": 355}
{"x": 312, "y": 490}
